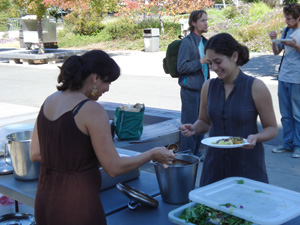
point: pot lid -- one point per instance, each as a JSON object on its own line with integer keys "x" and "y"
{"x": 17, "y": 219}
{"x": 136, "y": 197}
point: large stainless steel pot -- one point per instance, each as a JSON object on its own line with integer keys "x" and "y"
{"x": 178, "y": 180}
{"x": 19, "y": 149}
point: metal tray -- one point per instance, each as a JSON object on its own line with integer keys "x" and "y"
{"x": 108, "y": 182}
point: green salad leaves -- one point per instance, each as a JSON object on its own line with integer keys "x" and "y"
{"x": 201, "y": 215}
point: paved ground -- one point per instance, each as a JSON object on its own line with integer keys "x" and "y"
{"x": 24, "y": 87}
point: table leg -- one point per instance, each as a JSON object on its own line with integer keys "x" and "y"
{"x": 16, "y": 206}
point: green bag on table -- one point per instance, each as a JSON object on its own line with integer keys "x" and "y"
{"x": 128, "y": 121}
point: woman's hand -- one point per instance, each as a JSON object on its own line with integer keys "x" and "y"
{"x": 252, "y": 139}
{"x": 163, "y": 156}
{"x": 187, "y": 130}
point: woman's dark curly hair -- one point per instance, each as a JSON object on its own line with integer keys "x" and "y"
{"x": 76, "y": 69}
{"x": 225, "y": 44}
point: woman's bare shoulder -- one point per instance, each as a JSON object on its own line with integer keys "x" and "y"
{"x": 259, "y": 86}
{"x": 93, "y": 110}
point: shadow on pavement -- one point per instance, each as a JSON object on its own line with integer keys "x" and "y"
{"x": 262, "y": 65}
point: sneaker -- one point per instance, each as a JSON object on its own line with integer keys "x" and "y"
{"x": 296, "y": 153}
{"x": 280, "y": 149}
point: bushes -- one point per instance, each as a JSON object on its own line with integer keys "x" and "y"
{"x": 3, "y": 21}
{"x": 85, "y": 23}
{"x": 128, "y": 32}
{"x": 250, "y": 24}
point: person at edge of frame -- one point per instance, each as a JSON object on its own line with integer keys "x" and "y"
{"x": 289, "y": 80}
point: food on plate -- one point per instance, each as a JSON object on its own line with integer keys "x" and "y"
{"x": 179, "y": 162}
{"x": 201, "y": 214}
{"x": 230, "y": 141}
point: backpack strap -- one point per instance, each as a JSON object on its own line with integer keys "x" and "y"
{"x": 78, "y": 106}
{"x": 284, "y": 36}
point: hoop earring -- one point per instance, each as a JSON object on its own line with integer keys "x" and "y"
{"x": 94, "y": 91}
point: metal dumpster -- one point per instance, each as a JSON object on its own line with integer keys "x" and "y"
{"x": 30, "y": 34}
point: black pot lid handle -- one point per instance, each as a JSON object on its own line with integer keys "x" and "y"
{"x": 136, "y": 197}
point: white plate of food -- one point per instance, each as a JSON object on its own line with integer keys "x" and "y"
{"x": 225, "y": 142}
{"x": 282, "y": 40}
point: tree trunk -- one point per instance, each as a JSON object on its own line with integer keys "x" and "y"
{"x": 40, "y": 35}
{"x": 162, "y": 26}
{"x": 224, "y": 3}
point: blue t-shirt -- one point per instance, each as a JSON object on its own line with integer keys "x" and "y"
{"x": 290, "y": 67}
{"x": 204, "y": 66}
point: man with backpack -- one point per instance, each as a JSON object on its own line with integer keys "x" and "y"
{"x": 193, "y": 71}
{"x": 289, "y": 80}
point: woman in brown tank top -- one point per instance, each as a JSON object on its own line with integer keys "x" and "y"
{"x": 71, "y": 135}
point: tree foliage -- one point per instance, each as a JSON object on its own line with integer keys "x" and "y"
{"x": 33, "y": 7}
{"x": 39, "y": 8}
{"x": 101, "y": 6}
{"x": 162, "y": 7}
{"x": 85, "y": 22}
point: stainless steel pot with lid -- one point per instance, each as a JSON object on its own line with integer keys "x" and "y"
{"x": 19, "y": 149}
{"x": 17, "y": 219}
{"x": 5, "y": 161}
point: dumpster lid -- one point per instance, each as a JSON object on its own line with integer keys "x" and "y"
{"x": 151, "y": 31}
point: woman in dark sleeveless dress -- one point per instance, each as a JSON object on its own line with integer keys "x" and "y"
{"x": 71, "y": 135}
{"x": 230, "y": 105}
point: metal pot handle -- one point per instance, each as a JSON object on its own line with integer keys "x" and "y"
{"x": 133, "y": 204}
{"x": 5, "y": 159}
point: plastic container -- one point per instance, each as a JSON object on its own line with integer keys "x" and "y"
{"x": 175, "y": 214}
{"x": 251, "y": 200}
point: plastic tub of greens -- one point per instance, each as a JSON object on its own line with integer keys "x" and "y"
{"x": 194, "y": 213}
{"x": 251, "y": 200}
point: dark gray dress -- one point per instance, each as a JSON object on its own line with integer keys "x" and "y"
{"x": 236, "y": 116}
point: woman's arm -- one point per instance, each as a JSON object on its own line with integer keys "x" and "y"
{"x": 35, "y": 154}
{"x": 97, "y": 124}
{"x": 263, "y": 102}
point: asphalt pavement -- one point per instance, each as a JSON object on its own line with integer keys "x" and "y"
{"x": 24, "y": 88}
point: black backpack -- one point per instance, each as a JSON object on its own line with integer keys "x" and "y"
{"x": 284, "y": 36}
{"x": 170, "y": 61}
